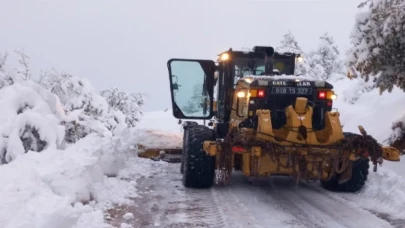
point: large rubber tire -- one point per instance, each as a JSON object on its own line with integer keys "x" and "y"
{"x": 357, "y": 181}
{"x": 187, "y": 124}
{"x": 199, "y": 168}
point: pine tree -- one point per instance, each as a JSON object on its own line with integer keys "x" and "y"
{"x": 378, "y": 44}
{"x": 290, "y": 44}
{"x": 324, "y": 62}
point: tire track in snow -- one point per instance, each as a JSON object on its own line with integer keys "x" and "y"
{"x": 316, "y": 208}
{"x": 194, "y": 209}
{"x": 182, "y": 208}
{"x": 215, "y": 207}
{"x": 236, "y": 214}
{"x": 357, "y": 200}
{"x": 173, "y": 206}
{"x": 268, "y": 210}
{"x": 268, "y": 202}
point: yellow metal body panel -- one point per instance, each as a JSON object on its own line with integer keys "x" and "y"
{"x": 210, "y": 147}
{"x": 297, "y": 118}
{"x": 296, "y": 147}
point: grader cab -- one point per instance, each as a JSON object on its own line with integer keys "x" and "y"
{"x": 264, "y": 121}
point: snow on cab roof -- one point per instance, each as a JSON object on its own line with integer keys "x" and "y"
{"x": 280, "y": 77}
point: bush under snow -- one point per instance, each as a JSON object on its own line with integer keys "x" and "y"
{"x": 129, "y": 104}
{"x": 61, "y": 145}
{"x": 88, "y": 111}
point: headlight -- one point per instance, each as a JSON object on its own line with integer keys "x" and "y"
{"x": 224, "y": 56}
{"x": 248, "y": 80}
{"x": 241, "y": 94}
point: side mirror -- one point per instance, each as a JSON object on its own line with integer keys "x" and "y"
{"x": 196, "y": 78}
{"x": 175, "y": 84}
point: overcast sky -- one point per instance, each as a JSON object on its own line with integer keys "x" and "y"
{"x": 126, "y": 43}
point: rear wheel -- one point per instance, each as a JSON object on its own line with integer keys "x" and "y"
{"x": 198, "y": 167}
{"x": 356, "y": 182}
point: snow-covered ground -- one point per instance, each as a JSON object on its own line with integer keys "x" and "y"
{"x": 93, "y": 178}
{"x": 278, "y": 201}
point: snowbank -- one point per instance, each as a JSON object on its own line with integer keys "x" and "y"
{"x": 62, "y": 161}
{"x": 68, "y": 188}
{"x": 24, "y": 113}
{"x": 375, "y": 112}
{"x": 39, "y": 189}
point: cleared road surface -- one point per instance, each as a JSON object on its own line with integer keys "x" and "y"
{"x": 262, "y": 203}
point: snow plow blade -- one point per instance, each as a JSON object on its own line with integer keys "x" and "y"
{"x": 171, "y": 155}
{"x": 390, "y": 153}
{"x": 159, "y": 145}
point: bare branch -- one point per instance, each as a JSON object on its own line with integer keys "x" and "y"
{"x": 3, "y": 59}
{"x": 24, "y": 61}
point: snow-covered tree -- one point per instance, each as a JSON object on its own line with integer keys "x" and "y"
{"x": 75, "y": 93}
{"x": 378, "y": 44}
{"x": 324, "y": 61}
{"x": 290, "y": 44}
{"x": 87, "y": 110}
{"x": 30, "y": 117}
{"x": 129, "y": 104}
{"x": 24, "y": 72}
{"x": 195, "y": 102}
{"x": 5, "y": 79}
{"x": 190, "y": 107}
{"x": 3, "y": 59}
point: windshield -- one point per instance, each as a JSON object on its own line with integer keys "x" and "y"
{"x": 248, "y": 66}
{"x": 245, "y": 66}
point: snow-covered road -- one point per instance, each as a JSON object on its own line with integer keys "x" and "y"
{"x": 269, "y": 202}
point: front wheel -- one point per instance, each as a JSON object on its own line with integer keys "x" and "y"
{"x": 186, "y": 125}
{"x": 198, "y": 167}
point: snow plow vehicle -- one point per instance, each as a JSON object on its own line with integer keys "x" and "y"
{"x": 265, "y": 121}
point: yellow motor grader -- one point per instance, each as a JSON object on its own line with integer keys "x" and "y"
{"x": 263, "y": 121}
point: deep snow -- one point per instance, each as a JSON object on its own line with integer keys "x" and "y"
{"x": 73, "y": 186}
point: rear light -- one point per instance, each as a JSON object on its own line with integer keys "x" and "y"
{"x": 237, "y": 149}
{"x": 321, "y": 95}
{"x": 329, "y": 103}
{"x": 260, "y": 93}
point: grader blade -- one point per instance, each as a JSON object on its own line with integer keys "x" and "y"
{"x": 389, "y": 153}
{"x": 170, "y": 155}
